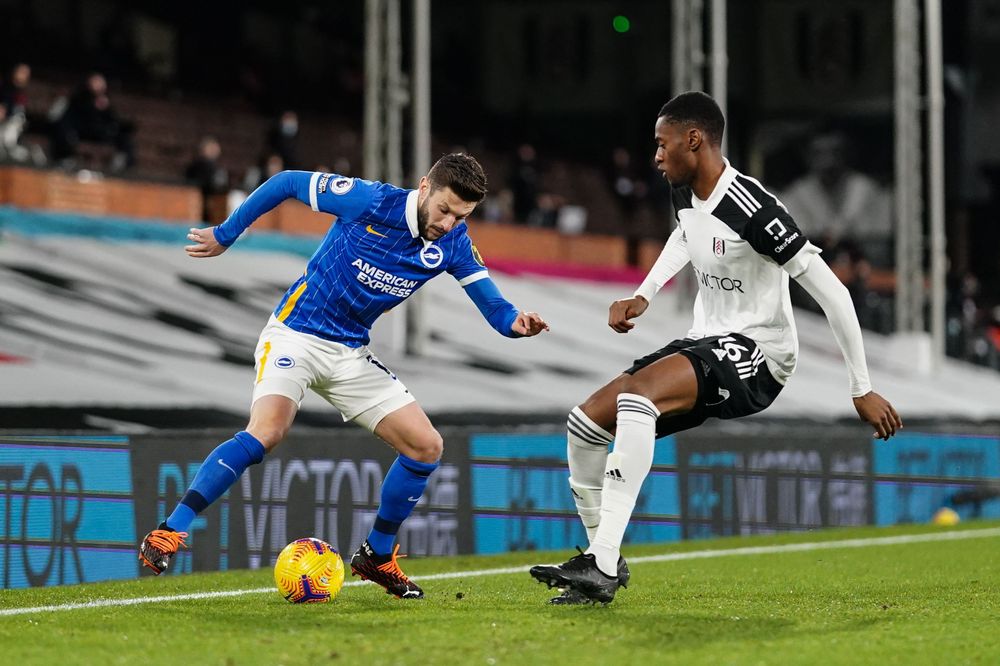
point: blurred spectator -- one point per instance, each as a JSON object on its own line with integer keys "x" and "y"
{"x": 89, "y": 116}
{"x": 498, "y": 207}
{"x": 270, "y": 165}
{"x": 205, "y": 173}
{"x": 628, "y": 189}
{"x": 571, "y": 220}
{"x": 13, "y": 106}
{"x": 283, "y": 139}
{"x": 835, "y": 204}
{"x": 992, "y": 337}
{"x": 630, "y": 192}
{"x": 273, "y": 165}
{"x": 546, "y": 212}
{"x": 973, "y": 322}
{"x": 341, "y": 166}
{"x": 524, "y": 183}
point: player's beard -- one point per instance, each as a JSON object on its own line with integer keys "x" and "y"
{"x": 423, "y": 215}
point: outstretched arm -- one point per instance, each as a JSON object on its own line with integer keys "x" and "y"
{"x": 500, "y": 313}
{"x": 323, "y": 192}
{"x": 277, "y": 188}
{"x": 820, "y": 282}
{"x": 213, "y": 241}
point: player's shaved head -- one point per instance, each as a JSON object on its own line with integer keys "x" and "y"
{"x": 462, "y": 173}
{"x": 696, "y": 109}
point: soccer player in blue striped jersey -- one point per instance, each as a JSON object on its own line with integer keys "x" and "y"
{"x": 386, "y": 243}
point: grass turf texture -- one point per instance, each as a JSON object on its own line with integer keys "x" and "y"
{"x": 930, "y": 602}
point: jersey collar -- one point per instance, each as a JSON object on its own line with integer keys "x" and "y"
{"x": 411, "y": 213}
{"x": 709, "y": 204}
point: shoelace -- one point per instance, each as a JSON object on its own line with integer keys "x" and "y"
{"x": 166, "y": 541}
{"x": 578, "y": 561}
{"x": 392, "y": 567}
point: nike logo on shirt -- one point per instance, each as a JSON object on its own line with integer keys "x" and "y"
{"x": 370, "y": 230}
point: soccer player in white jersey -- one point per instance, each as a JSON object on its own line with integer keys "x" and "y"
{"x": 386, "y": 243}
{"x": 740, "y": 351}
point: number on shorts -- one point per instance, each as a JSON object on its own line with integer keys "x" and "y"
{"x": 378, "y": 364}
{"x": 734, "y": 351}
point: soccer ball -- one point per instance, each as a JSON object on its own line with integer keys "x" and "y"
{"x": 946, "y": 517}
{"x": 309, "y": 571}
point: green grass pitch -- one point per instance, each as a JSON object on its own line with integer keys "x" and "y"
{"x": 912, "y": 602}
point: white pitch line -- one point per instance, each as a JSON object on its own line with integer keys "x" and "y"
{"x": 666, "y": 557}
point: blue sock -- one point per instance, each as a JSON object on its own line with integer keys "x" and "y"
{"x": 404, "y": 484}
{"x": 221, "y": 469}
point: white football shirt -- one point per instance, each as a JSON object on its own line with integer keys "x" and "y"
{"x": 743, "y": 246}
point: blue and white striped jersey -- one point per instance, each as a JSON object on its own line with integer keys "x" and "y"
{"x": 370, "y": 261}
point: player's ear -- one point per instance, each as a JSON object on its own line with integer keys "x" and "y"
{"x": 695, "y": 137}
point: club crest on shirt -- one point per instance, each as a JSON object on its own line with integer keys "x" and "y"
{"x": 431, "y": 255}
{"x": 719, "y": 246}
{"x": 478, "y": 257}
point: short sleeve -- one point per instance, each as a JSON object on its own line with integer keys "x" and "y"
{"x": 342, "y": 196}
{"x": 466, "y": 264}
{"x": 773, "y": 233}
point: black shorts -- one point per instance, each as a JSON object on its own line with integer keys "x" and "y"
{"x": 733, "y": 379}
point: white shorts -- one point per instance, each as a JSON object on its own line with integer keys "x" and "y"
{"x": 351, "y": 379}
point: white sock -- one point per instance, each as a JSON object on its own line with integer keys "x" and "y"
{"x": 587, "y": 451}
{"x": 627, "y": 467}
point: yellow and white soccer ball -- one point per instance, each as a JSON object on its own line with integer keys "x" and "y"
{"x": 309, "y": 571}
{"x": 946, "y": 517}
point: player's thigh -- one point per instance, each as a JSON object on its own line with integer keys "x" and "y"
{"x": 409, "y": 431}
{"x": 670, "y": 383}
{"x": 602, "y": 405}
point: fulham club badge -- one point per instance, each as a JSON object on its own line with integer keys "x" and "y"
{"x": 719, "y": 246}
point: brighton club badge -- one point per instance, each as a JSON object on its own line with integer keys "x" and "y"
{"x": 719, "y": 246}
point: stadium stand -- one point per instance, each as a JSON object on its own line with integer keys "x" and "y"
{"x": 169, "y": 129}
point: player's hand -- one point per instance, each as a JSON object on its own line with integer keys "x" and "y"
{"x": 528, "y": 324}
{"x": 879, "y": 414}
{"x": 205, "y": 244}
{"x": 627, "y": 308}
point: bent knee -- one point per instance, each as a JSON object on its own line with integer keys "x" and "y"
{"x": 268, "y": 434}
{"x": 427, "y": 448}
{"x": 635, "y": 385}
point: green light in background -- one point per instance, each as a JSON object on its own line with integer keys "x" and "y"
{"x": 621, "y": 24}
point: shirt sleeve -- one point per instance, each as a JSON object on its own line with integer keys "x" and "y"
{"x": 496, "y": 309}
{"x": 673, "y": 258}
{"x": 820, "y": 282}
{"x": 342, "y": 196}
{"x": 327, "y": 193}
{"x": 467, "y": 266}
{"x": 466, "y": 263}
{"x": 773, "y": 233}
